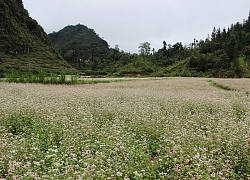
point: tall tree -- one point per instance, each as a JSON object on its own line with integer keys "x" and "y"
{"x": 213, "y": 34}
{"x": 164, "y": 45}
{"x": 144, "y": 48}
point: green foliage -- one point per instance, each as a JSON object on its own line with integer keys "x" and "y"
{"x": 78, "y": 44}
{"x": 239, "y": 111}
{"x": 23, "y": 42}
{"x": 41, "y": 77}
{"x": 144, "y": 48}
{"x": 62, "y": 78}
{"x": 227, "y": 88}
{"x": 94, "y": 73}
{"x": 73, "y": 79}
{"x": 24, "y": 47}
{"x": 224, "y": 55}
{"x": 220, "y": 56}
{"x": 19, "y": 123}
{"x": 29, "y": 124}
{"x": 12, "y": 77}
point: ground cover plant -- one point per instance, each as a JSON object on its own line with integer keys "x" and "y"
{"x": 169, "y": 128}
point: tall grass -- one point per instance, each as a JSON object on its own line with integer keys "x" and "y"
{"x": 12, "y": 77}
{"x": 52, "y": 78}
{"x": 41, "y": 77}
{"x": 73, "y": 79}
{"x": 62, "y": 77}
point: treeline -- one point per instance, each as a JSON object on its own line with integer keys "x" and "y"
{"x": 224, "y": 53}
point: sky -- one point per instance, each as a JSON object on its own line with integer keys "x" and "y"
{"x": 128, "y": 23}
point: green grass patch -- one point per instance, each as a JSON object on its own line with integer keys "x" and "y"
{"x": 53, "y": 78}
{"x": 41, "y": 77}
{"x": 226, "y": 88}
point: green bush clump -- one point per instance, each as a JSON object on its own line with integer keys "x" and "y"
{"x": 40, "y": 77}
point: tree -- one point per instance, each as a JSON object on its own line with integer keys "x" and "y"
{"x": 247, "y": 24}
{"x": 117, "y": 47}
{"x": 232, "y": 48}
{"x": 195, "y": 43}
{"x": 144, "y": 48}
{"x": 213, "y": 34}
{"x": 164, "y": 45}
{"x": 20, "y": 2}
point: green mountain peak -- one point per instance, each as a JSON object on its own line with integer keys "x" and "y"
{"x": 78, "y": 42}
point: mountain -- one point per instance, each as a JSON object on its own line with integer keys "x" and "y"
{"x": 79, "y": 43}
{"x": 24, "y": 46}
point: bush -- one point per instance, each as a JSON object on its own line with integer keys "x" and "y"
{"x": 41, "y": 77}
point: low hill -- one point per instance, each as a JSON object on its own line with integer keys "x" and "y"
{"x": 24, "y": 46}
{"x": 79, "y": 43}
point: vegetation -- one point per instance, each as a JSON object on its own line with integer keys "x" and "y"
{"x": 176, "y": 128}
{"x": 79, "y": 45}
{"x": 41, "y": 77}
{"x": 62, "y": 78}
{"x": 24, "y": 46}
{"x": 221, "y": 86}
{"x": 225, "y": 54}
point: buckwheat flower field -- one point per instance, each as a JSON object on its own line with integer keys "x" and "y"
{"x": 170, "y": 128}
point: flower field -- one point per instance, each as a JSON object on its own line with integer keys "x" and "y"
{"x": 169, "y": 128}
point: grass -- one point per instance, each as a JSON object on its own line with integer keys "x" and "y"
{"x": 221, "y": 86}
{"x": 179, "y": 128}
{"x": 41, "y": 77}
{"x": 62, "y": 78}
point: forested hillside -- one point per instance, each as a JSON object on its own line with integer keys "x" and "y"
{"x": 79, "y": 45}
{"x": 224, "y": 53}
{"x": 24, "y": 46}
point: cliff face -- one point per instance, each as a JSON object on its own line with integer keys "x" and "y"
{"x": 23, "y": 43}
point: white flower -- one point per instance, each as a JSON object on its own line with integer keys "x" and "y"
{"x": 119, "y": 174}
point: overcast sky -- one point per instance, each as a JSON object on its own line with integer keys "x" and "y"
{"x": 128, "y": 23}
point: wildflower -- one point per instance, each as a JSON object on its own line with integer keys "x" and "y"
{"x": 36, "y": 163}
{"x": 213, "y": 174}
{"x": 119, "y": 174}
{"x": 137, "y": 174}
{"x": 57, "y": 164}
{"x": 177, "y": 168}
{"x": 163, "y": 174}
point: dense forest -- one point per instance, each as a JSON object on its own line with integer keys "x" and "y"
{"x": 224, "y": 53}
{"x": 79, "y": 45}
{"x": 24, "y": 46}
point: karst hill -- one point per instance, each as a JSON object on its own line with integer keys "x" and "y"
{"x": 24, "y": 46}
